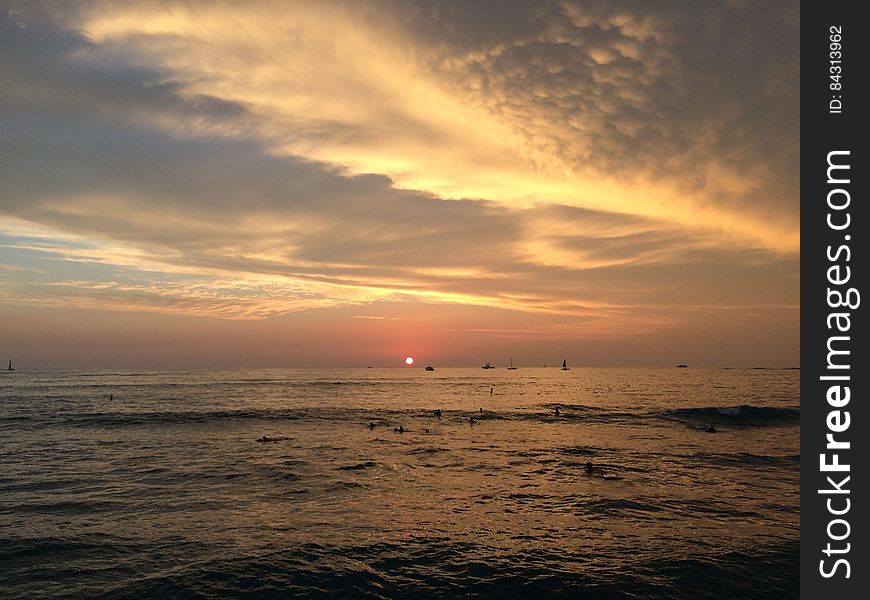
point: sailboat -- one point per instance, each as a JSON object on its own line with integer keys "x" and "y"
{"x": 565, "y": 364}
{"x": 512, "y": 367}
{"x": 429, "y": 368}
{"x": 487, "y": 366}
{"x": 10, "y": 366}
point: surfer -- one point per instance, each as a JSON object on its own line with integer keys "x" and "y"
{"x": 599, "y": 472}
{"x": 557, "y": 411}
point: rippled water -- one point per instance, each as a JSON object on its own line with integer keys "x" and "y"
{"x": 165, "y": 490}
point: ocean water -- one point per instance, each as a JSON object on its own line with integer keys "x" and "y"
{"x": 165, "y": 490}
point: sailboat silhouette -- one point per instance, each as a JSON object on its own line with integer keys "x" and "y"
{"x": 10, "y": 366}
{"x": 565, "y": 365}
{"x": 512, "y": 367}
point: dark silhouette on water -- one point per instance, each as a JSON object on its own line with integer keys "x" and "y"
{"x": 565, "y": 364}
{"x": 471, "y": 421}
{"x": 512, "y": 367}
{"x": 682, "y": 366}
{"x": 710, "y": 429}
{"x": 487, "y": 366}
{"x": 557, "y": 411}
{"x": 371, "y": 425}
{"x": 599, "y": 472}
{"x": 437, "y": 412}
{"x": 399, "y": 429}
{"x": 10, "y": 366}
{"x": 490, "y": 391}
{"x": 111, "y": 397}
{"x": 429, "y": 368}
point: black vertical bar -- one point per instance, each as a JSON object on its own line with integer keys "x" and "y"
{"x": 833, "y": 101}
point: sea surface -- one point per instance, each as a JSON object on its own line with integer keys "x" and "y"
{"x": 123, "y": 484}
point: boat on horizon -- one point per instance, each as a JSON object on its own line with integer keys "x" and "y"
{"x": 565, "y": 365}
{"x": 512, "y": 367}
{"x": 487, "y": 366}
{"x": 682, "y": 366}
{"x": 10, "y": 366}
{"x": 429, "y": 368}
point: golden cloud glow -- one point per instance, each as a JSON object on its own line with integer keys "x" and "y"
{"x": 330, "y": 84}
{"x": 565, "y": 171}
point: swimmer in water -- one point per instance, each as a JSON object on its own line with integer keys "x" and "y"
{"x": 399, "y": 429}
{"x": 710, "y": 429}
{"x": 481, "y": 409}
{"x": 437, "y": 412}
{"x": 471, "y": 420}
{"x": 588, "y": 466}
{"x": 371, "y": 425}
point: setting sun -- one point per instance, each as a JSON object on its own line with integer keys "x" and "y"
{"x": 409, "y": 360}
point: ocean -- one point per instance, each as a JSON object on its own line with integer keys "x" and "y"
{"x": 274, "y": 483}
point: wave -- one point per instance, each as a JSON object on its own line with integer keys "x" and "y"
{"x": 741, "y": 416}
{"x": 358, "y": 467}
{"x": 744, "y": 415}
{"x": 741, "y": 459}
{"x": 738, "y": 416}
{"x": 437, "y": 568}
{"x": 123, "y": 419}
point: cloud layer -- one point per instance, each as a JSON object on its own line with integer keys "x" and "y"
{"x": 621, "y": 167}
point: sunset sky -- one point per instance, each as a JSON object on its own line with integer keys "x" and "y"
{"x": 347, "y": 183}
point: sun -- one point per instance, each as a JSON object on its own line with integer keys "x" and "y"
{"x": 409, "y": 360}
